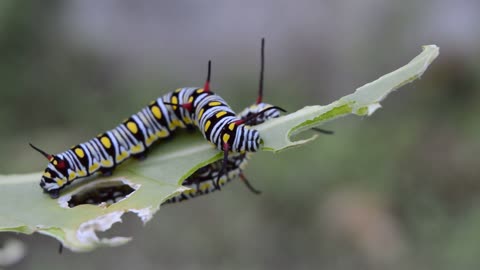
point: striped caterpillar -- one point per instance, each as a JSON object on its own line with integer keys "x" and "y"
{"x": 211, "y": 177}
{"x": 182, "y": 108}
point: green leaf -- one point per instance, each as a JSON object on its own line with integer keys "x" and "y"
{"x": 24, "y": 208}
{"x": 364, "y": 101}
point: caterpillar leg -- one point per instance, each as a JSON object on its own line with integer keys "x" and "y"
{"x": 223, "y": 170}
{"x": 324, "y": 131}
{"x": 54, "y": 193}
{"x": 106, "y": 171}
{"x": 249, "y": 186}
{"x": 140, "y": 156}
{"x": 191, "y": 128}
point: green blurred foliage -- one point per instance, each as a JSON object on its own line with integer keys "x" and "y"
{"x": 393, "y": 191}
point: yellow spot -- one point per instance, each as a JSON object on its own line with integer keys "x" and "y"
{"x": 79, "y": 152}
{"x": 106, "y": 142}
{"x": 220, "y": 114}
{"x": 226, "y": 137}
{"x": 231, "y": 126}
{"x": 132, "y": 126}
{"x": 60, "y": 182}
{"x": 178, "y": 90}
{"x": 162, "y": 133}
{"x": 200, "y": 91}
{"x": 150, "y": 140}
{"x": 47, "y": 174}
{"x": 222, "y": 181}
{"x": 94, "y": 167}
{"x": 176, "y": 123}
{"x": 190, "y": 99}
{"x": 71, "y": 176}
{"x": 123, "y": 155}
{"x": 207, "y": 125}
{"x": 214, "y": 103}
{"x": 187, "y": 120}
{"x": 204, "y": 186}
{"x": 82, "y": 173}
{"x": 106, "y": 163}
{"x": 201, "y": 113}
{"x": 156, "y": 112}
{"x": 174, "y": 100}
{"x": 137, "y": 148}
{"x": 55, "y": 162}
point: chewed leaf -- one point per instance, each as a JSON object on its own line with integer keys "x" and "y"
{"x": 73, "y": 218}
{"x": 364, "y": 101}
{"x": 95, "y": 204}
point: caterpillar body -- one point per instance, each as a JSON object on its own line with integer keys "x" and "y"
{"x": 209, "y": 112}
{"x": 204, "y": 180}
{"x": 182, "y": 108}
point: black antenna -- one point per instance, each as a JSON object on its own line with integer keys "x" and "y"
{"x": 48, "y": 156}
{"x": 324, "y": 131}
{"x": 206, "y": 88}
{"x": 262, "y": 66}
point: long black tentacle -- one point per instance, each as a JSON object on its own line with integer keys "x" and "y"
{"x": 249, "y": 186}
{"x": 324, "y": 131}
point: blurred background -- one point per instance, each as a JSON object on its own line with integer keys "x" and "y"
{"x": 398, "y": 190}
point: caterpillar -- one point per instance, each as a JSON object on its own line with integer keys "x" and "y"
{"x": 204, "y": 180}
{"x": 211, "y": 177}
{"x": 182, "y": 108}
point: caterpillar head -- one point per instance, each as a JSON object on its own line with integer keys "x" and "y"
{"x": 255, "y": 109}
{"x": 53, "y": 178}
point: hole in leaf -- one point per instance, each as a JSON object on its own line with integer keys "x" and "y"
{"x": 103, "y": 194}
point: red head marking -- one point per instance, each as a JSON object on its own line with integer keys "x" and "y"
{"x": 239, "y": 122}
{"x": 188, "y": 106}
{"x": 61, "y": 165}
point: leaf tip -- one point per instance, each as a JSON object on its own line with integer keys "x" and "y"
{"x": 368, "y": 110}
